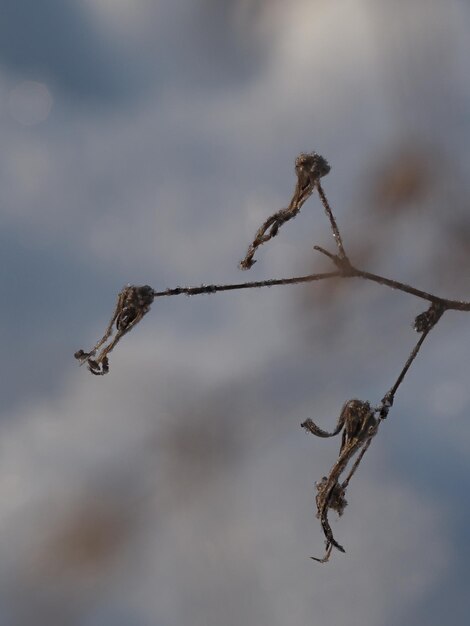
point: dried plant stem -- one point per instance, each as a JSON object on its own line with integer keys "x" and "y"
{"x": 207, "y": 289}
{"x": 330, "y": 490}
{"x": 424, "y": 295}
{"x": 414, "y": 353}
{"x": 331, "y": 217}
{"x": 357, "y": 462}
{"x": 351, "y": 272}
{"x": 348, "y": 452}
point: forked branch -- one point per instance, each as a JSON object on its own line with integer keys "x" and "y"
{"x": 359, "y": 421}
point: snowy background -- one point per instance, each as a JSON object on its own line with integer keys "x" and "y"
{"x": 144, "y": 142}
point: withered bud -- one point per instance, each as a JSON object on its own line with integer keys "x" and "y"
{"x": 310, "y": 167}
{"x": 132, "y": 304}
{"x": 425, "y": 321}
{"x": 358, "y": 418}
{"x": 81, "y": 355}
{"x": 135, "y": 303}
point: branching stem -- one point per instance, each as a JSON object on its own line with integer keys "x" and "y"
{"x": 359, "y": 421}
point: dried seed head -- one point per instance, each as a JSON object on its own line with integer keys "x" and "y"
{"x": 136, "y": 302}
{"x": 132, "y": 304}
{"x": 309, "y": 167}
{"x": 356, "y": 409}
{"x": 358, "y": 419}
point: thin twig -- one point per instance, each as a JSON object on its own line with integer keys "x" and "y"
{"x": 424, "y": 295}
{"x": 208, "y": 289}
{"x": 331, "y": 217}
{"x": 406, "y": 367}
{"x": 455, "y": 305}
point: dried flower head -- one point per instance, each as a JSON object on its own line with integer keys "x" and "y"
{"x": 132, "y": 304}
{"x": 359, "y": 425}
{"x": 310, "y": 167}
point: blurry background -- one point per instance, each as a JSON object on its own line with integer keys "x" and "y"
{"x": 144, "y": 142}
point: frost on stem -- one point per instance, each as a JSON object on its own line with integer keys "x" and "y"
{"x": 132, "y": 304}
{"x": 309, "y": 169}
